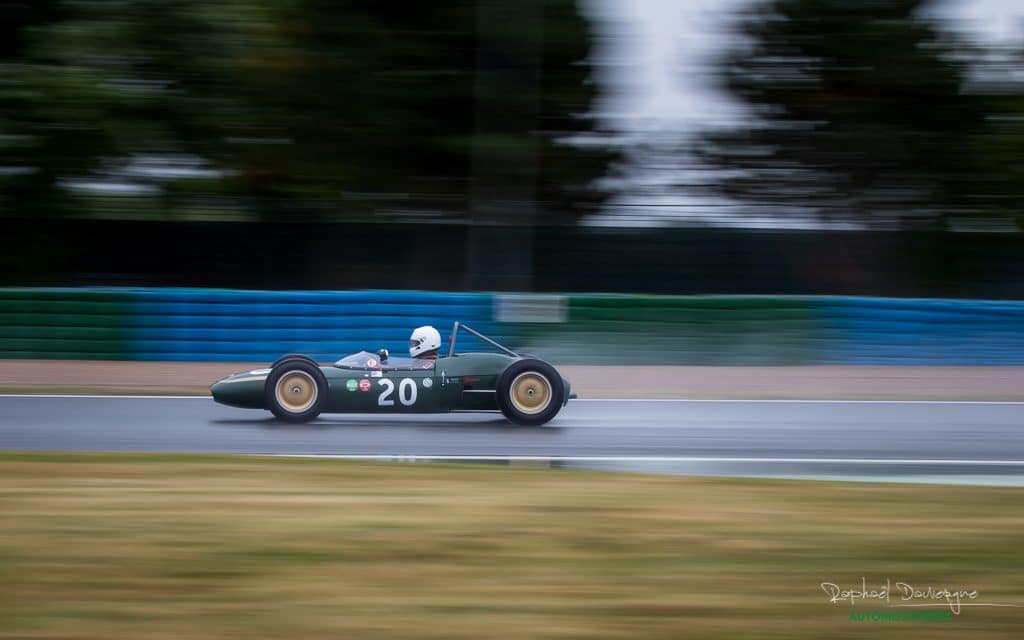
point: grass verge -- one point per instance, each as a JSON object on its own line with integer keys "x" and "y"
{"x": 163, "y": 546}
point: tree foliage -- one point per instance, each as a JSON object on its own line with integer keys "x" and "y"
{"x": 865, "y": 111}
{"x": 288, "y": 109}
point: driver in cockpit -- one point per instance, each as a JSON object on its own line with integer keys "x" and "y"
{"x": 424, "y": 343}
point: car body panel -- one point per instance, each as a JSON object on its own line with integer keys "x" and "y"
{"x": 458, "y": 383}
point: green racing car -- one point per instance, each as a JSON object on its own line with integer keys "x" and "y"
{"x": 295, "y": 388}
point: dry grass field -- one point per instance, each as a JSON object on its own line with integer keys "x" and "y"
{"x": 163, "y": 546}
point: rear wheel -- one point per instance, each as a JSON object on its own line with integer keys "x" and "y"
{"x": 296, "y": 391}
{"x": 530, "y": 392}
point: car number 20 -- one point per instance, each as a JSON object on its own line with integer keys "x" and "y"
{"x": 406, "y": 392}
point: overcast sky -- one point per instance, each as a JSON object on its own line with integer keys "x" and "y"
{"x": 655, "y": 60}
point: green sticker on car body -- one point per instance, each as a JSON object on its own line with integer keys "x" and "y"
{"x": 351, "y": 385}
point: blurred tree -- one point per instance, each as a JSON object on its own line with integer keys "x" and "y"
{"x": 858, "y": 111}
{"x": 298, "y": 109}
{"x": 52, "y": 124}
{"x": 999, "y": 185}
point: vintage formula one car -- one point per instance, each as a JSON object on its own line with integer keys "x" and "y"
{"x": 295, "y": 388}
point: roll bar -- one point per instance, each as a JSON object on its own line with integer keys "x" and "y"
{"x": 455, "y": 332}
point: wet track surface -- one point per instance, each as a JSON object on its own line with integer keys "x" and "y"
{"x": 981, "y": 442}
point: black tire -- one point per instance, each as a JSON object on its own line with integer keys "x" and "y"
{"x": 296, "y": 390}
{"x": 292, "y": 356}
{"x": 530, "y": 392}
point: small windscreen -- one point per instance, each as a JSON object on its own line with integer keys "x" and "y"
{"x": 371, "y": 361}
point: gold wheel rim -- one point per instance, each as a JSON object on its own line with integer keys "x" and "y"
{"x": 530, "y": 393}
{"x": 296, "y": 391}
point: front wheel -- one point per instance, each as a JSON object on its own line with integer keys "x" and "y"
{"x": 296, "y": 391}
{"x": 530, "y": 392}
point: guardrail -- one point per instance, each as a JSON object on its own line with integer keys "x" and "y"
{"x": 922, "y": 331}
{"x": 258, "y": 326}
{"x": 220, "y": 324}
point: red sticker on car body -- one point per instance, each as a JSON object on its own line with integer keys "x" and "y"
{"x": 364, "y": 385}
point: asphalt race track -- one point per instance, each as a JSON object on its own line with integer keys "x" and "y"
{"x": 921, "y": 441}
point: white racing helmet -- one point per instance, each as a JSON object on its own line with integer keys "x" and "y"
{"x": 424, "y": 339}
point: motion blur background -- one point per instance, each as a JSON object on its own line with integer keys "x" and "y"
{"x": 667, "y": 150}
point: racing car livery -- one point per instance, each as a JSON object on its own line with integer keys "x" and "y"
{"x": 295, "y": 388}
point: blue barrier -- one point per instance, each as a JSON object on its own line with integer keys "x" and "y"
{"x": 226, "y": 325}
{"x": 922, "y": 331}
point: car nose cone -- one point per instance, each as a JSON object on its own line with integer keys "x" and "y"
{"x": 240, "y": 390}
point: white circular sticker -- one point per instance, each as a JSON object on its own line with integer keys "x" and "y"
{"x": 427, "y": 382}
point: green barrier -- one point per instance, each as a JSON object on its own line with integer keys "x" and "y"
{"x": 707, "y": 330}
{"x": 18, "y": 332}
{"x": 64, "y": 323}
{"x": 64, "y": 294}
{"x": 64, "y": 307}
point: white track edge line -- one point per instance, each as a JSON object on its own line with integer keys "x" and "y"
{"x": 581, "y": 400}
{"x": 556, "y": 458}
{"x": 796, "y": 401}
